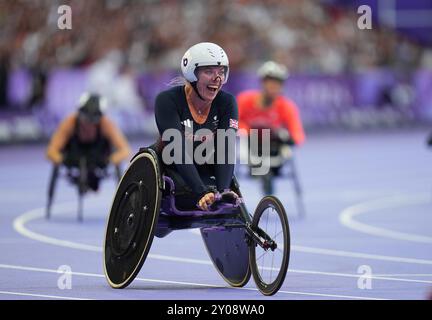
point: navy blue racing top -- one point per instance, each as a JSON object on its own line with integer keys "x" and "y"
{"x": 172, "y": 112}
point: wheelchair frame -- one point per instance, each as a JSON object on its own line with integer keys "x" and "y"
{"x": 282, "y": 162}
{"x": 81, "y": 184}
{"x": 228, "y": 230}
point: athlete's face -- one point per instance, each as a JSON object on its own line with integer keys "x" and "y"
{"x": 272, "y": 88}
{"x": 210, "y": 81}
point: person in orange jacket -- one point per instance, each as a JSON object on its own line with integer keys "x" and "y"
{"x": 268, "y": 108}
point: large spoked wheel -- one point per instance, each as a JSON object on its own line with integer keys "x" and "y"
{"x": 132, "y": 221}
{"x": 269, "y": 265}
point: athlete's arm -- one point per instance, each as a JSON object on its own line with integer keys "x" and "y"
{"x": 60, "y": 138}
{"x": 224, "y": 171}
{"x": 167, "y": 117}
{"x": 242, "y": 110}
{"x": 117, "y": 140}
{"x": 291, "y": 119}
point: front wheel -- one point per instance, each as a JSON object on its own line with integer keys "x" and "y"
{"x": 269, "y": 265}
{"x": 132, "y": 221}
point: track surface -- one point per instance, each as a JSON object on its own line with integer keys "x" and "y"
{"x": 368, "y": 199}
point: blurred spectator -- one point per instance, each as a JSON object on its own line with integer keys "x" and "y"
{"x": 4, "y": 78}
{"x": 305, "y": 35}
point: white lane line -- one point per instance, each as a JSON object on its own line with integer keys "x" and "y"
{"x": 403, "y": 274}
{"x": 95, "y": 275}
{"x": 19, "y": 225}
{"x": 373, "y": 276}
{"x": 346, "y": 217}
{"x": 349, "y": 254}
{"x": 39, "y": 295}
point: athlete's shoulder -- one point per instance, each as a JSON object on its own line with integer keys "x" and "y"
{"x": 248, "y": 94}
{"x": 70, "y": 120}
{"x": 247, "y": 98}
{"x": 168, "y": 98}
{"x": 287, "y": 102}
{"x": 172, "y": 92}
{"x": 225, "y": 97}
{"x": 226, "y": 102}
{"x": 106, "y": 122}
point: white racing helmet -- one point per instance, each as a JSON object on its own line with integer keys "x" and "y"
{"x": 91, "y": 107}
{"x": 274, "y": 70}
{"x": 203, "y": 54}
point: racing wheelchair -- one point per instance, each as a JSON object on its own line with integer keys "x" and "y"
{"x": 281, "y": 160}
{"x": 84, "y": 176}
{"x": 238, "y": 243}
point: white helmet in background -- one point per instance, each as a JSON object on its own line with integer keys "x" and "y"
{"x": 274, "y": 70}
{"x": 203, "y": 54}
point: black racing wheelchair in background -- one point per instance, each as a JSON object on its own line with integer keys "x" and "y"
{"x": 238, "y": 243}
{"x": 85, "y": 172}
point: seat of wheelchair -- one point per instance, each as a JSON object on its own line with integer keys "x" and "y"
{"x": 74, "y": 172}
{"x": 91, "y": 180}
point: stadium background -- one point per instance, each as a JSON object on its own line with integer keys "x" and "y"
{"x": 340, "y": 76}
{"x": 365, "y": 97}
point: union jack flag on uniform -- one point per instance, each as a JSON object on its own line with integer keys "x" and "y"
{"x": 233, "y": 123}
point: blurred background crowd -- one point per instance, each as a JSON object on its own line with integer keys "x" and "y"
{"x": 120, "y": 42}
{"x": 306, "y": 35}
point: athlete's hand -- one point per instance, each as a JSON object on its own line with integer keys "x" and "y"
{"x": 115, "y": 159}
{"x": 229, "y": 196}
{"x": 57, "y": 159}
{"x": 207, "y": 200}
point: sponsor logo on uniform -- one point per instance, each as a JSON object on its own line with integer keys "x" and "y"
{"x": 187, "y": 123}
{"x": 215, "y": 122}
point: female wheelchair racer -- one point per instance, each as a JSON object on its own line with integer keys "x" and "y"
{"x": 155, "y": 198}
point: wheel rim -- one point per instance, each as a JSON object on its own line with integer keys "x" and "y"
{"x": 128, "y": 222}
{"x": 131, "y": 223}
{"x": 270, "y": 262}
{"x": 269, "y": 267}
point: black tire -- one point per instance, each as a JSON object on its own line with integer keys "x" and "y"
{"x": 82, "y": 186}
{"x": 297, "y": 190}
{"x": 267, "y": 184}
{"x": 270, "y": 206}
{"x": 132, "y": 221}
{"x": 51, "y": 189}
{"x": 118, "y": 172}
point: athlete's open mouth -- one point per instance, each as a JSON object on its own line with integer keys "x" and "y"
{"x": 212, "y": 88}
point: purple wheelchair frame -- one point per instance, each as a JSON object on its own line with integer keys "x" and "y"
{"x": 222, "y": 216}
{"x": 173, "y": 210}
{"x": 226, "y": 229}
{"x": 218, "y": 217}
